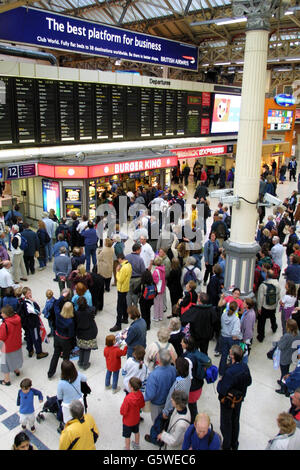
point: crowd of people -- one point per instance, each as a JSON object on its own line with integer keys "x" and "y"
{"x": 168, "y": 274}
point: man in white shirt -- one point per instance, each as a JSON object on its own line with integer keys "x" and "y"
{"x": 277, "y": 251}
{"x": 18, "y": 265}
{"x": 147, "y": 253}
{"x": 50, "y": 227}
{"x": 6, "y": 279}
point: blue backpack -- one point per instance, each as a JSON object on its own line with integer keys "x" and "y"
{"x": 189, "y": 276}
{"x": 211, "y": 374}
{"x": 24, "y": 242}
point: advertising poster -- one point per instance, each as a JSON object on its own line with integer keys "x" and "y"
{"x": 51, "y": 196}
{"x": 226, "y": 114}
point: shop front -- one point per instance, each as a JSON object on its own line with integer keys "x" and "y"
{"x": 81, "y": 189}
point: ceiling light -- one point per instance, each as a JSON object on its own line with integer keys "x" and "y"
{"x": 223, "y": 21}
{"x": 222, "y": 63}
{"x": 289, "y": 59}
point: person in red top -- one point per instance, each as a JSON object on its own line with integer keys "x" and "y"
{"x": 113, "y": 354}
{"x": 130, "y": 410}
{"x": 11, "y": 335}
{"x": 235, "y": 297}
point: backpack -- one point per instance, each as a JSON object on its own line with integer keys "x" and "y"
{"x": 24, "y": 242}
{"x": 271, "y": 297}
{"x": 221, "y": 231}
{"x": 211, "y": 374}
{"x": 155, "y": 357}
{"x": 276, "y": 270}
{"x": 150, "y": 292}
{"x": 203, "y": 363}
{"x": 227, "y": 221}
{"x": 187, "y": 307}
{"x": 189, "y": 276}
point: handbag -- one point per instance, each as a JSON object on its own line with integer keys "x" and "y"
{"x": 87, "y": 343}
{"x": 232, "y": 398}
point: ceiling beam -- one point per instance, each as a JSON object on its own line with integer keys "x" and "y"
{"x": 14, "y": 4}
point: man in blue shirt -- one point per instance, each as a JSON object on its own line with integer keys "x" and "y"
{"x": 90, "y": 243}
{"x": 138, "y": 267}
{"x": 200, "y": 435}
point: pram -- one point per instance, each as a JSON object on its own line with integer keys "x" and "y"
{"x": 52, "y": 405}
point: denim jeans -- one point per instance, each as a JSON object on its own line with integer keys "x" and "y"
{"x": 115, "y": 378}
{"x": 198, "y": 259}
{"x": 90, "y": 251}
{"x": 49, "y": 250}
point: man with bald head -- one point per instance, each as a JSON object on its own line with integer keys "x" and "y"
{"x": 200, "y": 435}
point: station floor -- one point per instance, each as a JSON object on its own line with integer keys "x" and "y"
{"x": 259, "y": 411}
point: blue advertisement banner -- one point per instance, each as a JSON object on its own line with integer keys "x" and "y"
{"x": 54, "y": 31}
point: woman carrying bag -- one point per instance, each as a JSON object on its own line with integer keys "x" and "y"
{"x": 86, "y": 332}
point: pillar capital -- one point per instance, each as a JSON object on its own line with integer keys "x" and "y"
{"x": 259, "y": 12}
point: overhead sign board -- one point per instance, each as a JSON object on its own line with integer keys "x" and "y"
{"x": 51, "y": 30}
{"x": 285, "y": 100}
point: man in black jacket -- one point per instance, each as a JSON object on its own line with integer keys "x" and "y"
{"x": 32, "y": 248}
{"x": 236, "y": 379}
{"x": 201, "y": 191}
{"x": 203, "y": 322}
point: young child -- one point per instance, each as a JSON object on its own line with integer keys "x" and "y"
{"x": 130, "y": 410}
{"x": 190, "y": 297}
{"x": 135, "y": 367}
{"x": 25, "y": 401}
{"x": 194, "y": 216}
{"x": 113, "y": 354}
{"x": 47, "y": 309}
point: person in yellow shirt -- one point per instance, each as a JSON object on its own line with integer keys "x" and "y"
{"x": 81, "y": 432}
{"x": 194, "y": 216}
{"x": 123, "y": 275}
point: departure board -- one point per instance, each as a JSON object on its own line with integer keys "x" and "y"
{"x": 145, "y": 107}
{"x": 132, "y": 118}
{"x": 47, "y": 111}
{"x": 180, "y": 113}
{"x": 53, "y": 112}
{"x": 66, "y": 111}
{"x": 6, "y": 135}
{"x": 158, "y": 112}
{"x": 193, "y": 114}
{"x": 25, "y": 110}
{"x": 102, "y": 115}
{"x": 85, "y": 111}
{"x": 117, "y": 112}
{"x": 170, "y": 119}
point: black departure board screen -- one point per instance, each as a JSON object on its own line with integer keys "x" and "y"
{"x": 53, "y": 112}
{"x": 132, "y": 118}
{"x": 66, "y": 111}
{"x": 85, "y": 111}
{"x": 158, "y": 112}
{"x": 47, "y": 111}
{"x": 193, "y": 114}
{"x": 6, "y": 134}
{"x": 102, "y": 111}
{"x": 117, "y": 112}
{"x": 180, "y": 113}
{"x": 25, "y": 110}
{"x": 170, "y": 112}
{"x": 145, "y": 108}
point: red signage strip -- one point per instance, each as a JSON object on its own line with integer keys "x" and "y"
{"x": 116, "y": 168}
{"x": 196, "y": 152}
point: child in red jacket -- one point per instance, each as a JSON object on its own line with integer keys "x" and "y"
{"x": 130, "y": 410}
{"x": 113, "y": 354}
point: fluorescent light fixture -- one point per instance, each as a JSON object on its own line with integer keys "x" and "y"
{"x": 273, "y": 60}
{"x": 222, "y": 63}
{"x": 288, "y": 13}
{"x": 239, "y": 62}
{"x": 230, "y": 21}
{"x": 290, "y": 59}
{"x": 204, "y": 65}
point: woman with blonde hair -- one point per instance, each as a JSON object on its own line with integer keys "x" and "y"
{"x": 64, "y": 336}
{"x": 151, "y": 355}
{"x": 105, "y": 262}
{"x": 288, "y": 437}
{"x": 81, "y": 275}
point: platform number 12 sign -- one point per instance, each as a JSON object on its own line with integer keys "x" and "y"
{"x": 12, "y": 172}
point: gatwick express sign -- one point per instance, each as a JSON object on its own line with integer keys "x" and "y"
{"x": 54, "y": 31}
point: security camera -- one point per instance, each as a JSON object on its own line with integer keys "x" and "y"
{"x": 80, "y": 156}
{"x": 218, "y": 193}
{"x": 272, "y": 200}
{"x": 231, "y": 200}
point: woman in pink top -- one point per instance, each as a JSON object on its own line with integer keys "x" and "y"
{"x": 159, "y": 278}
{"x": 235, "y": 297}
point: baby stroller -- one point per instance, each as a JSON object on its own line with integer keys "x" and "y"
{"x": 53, "y": 405}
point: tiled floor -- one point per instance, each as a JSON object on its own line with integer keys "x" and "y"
{"x": 259, "y": 411}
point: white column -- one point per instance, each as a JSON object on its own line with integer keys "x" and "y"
{"x": 249, "y": 144}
